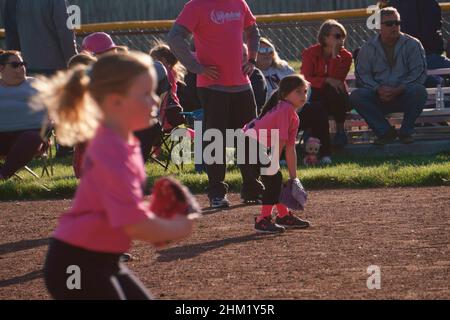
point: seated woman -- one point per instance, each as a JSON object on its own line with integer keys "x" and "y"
{"x": 271, "y": 65}
{"x": 326, "y": 65}
{"x": 20, "y": 125}
{"x": 170, "y": 115}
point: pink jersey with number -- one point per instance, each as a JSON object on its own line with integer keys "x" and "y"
{"x": 109, "y": 197}
{"x": 282, "y": 118}
{"x": 218, "y": 26}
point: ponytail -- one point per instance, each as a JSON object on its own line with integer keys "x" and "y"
{"x": 73, "y": 113}
{"x": 271, "y": 103}
{"x": 74, "y": 98}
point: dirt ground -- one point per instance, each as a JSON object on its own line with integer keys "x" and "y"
{"x": 405, "y": 232}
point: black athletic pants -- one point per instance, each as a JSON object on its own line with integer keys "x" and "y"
{"x": 101, "y": 275}
{"x": 226, "y": 110}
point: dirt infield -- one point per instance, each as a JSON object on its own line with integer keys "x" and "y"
{"x": 406, "y": 232}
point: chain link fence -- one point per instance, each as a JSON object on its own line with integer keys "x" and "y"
{"x": 290, "y": 37}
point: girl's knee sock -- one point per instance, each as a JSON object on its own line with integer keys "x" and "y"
{"x": 266, "y": 211}
{"x": 282, "y": 210}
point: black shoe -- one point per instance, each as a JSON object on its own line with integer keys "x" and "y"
{"x": 291, "y": 221}
{"x": 219, "y": 202}
{"x": 406, "y": 138}
{"x": 387, "y": 138}
{"x": 266, "y": 226}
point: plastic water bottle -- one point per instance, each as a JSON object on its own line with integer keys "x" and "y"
{"x": 440, "y": 103}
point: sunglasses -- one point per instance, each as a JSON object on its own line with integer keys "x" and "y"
{"x": 265, "y": 50}
{"x": 338, "y": 36}
{"x": 16, "y": 65}
{"x": 392, "y": 23}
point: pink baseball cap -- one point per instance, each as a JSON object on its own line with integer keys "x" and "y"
{"x": 98, "y": 42}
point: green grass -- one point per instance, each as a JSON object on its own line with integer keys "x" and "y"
{"x": 349, "y": 172}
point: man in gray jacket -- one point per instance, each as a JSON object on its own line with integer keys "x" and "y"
{"x": 46, "y": 42}
{"x": 390, "y": 71}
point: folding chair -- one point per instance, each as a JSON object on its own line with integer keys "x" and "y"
{"x": 171, "y": 118}
{"x": 46, "y": 155}
{"x": 191, "y": 118}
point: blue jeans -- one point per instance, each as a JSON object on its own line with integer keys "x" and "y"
{"x": 367, "y": 103}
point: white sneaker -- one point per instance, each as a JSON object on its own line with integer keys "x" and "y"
{"x": 218, "y": 202}
{"x": 326, "y": 160}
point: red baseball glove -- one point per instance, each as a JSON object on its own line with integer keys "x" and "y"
{"x": 169, "y": 197}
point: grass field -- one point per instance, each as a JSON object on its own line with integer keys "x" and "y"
{"x": 348, "y": 172}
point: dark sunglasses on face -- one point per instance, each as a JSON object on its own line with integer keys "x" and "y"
{"x": 338, "y": 36}
{"x": 16, "y": 65}
{"x": 265, "y": 50}
{"x": 392, "y": 23}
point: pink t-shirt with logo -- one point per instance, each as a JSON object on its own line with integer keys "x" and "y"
{"x": 282, "y": 117}
{"x": 110, "y": 196}
{"x": 218, "y": 26}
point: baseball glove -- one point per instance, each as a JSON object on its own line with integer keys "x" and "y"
{"x": 169, "y": 197}
{"x": 293, "y": 195}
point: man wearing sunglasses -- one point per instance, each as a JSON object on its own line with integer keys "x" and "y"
{"x": 390, "y": 72}
{"x": 422, "y": 19}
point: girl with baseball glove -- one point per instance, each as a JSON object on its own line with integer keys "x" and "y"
{"x": 105, "y": 104}
{"x": 277, "y": 127}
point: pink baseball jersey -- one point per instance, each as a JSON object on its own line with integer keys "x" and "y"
{"x": 218, "y": 26}
{"x": 109, "y": 197}
{"x": 282, "y": 118}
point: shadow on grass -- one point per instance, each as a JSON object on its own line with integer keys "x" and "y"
{"x": 22, "y": 245}
{"x": 194, "y": 250}
{"x": 22, "y": 279}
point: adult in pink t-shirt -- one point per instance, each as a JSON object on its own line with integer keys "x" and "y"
{"x": 223, "y": 85}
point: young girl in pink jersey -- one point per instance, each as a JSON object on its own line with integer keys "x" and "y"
{"x": 280, "y": 114}
{"x": 170, "y": 112}
{"x": 105, "y": 104}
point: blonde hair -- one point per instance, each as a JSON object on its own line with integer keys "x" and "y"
{"x": 325, "y": 30}
{"x": 73, "y": 98}
{"x": 161, "y": 51}
{"x": 277, "y": 61}
{"x": 81, "y": 58}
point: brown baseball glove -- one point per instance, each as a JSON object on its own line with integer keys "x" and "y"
{"x": 169, "y": 197}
